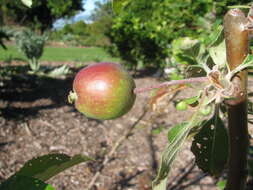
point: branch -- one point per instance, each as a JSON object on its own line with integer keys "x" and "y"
{"x": 171, "y": 83}
{"x": 236, "y": 38}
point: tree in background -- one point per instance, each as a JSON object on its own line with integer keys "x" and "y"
{"x": 41, "y": 15}
{"x": 88, "y": 33}
{"x": 101, "y": 24}
{"x": 103, "y": 11}
{"x": 142, "y": 34}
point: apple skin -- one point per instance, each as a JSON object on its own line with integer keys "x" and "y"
{"x": 104, "y": 91}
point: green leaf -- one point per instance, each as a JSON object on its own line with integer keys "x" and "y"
{"x": 206, "y": 110}
{"x": 186, "y": 47}
{"x": 19, "y": 182}
{"x": 28, "y": 3}
{"x": 192, "y": 100}
{"x": 217, "y": 47}
{"x": 174, "y": 131}
{"x": 218, "y": 53}
{"x": 47, "y": 166}
{"x": 216, "y": 36}
{"x": 248, "y": 60}
{"x": 221, "y": 184}
{"x": 176, "y": 137}
{"x": 118, "y": 5}
{"x": 210, "y": 146}
{"x": 182, "y": 106}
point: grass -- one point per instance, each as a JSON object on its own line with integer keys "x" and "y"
{"x": 61, "y": 54}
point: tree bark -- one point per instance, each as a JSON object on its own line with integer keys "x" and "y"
{"x": 237, "y": 45}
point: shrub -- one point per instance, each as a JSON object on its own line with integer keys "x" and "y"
{"x": 5, "y": 34}
{"x": 142, "y": 35}
{"x": 83, "y": 34}
{"x": 31, "y": 45}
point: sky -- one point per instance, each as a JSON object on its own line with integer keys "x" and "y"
{"x": 88, "y": 5}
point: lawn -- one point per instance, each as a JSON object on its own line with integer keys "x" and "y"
{"x": 73, "y": 54}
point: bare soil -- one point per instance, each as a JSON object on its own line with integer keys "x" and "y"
{"x": 36, "y": 120}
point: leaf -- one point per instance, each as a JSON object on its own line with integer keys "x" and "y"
{"x": 47, "y": 166}
{"x": 174, "y": 131}
{"x": 194, "y": 71}
{"x": 118, "y": 5}
{"x": 221, "y": 184}
{"x": 59, "y": 71}
{"x": 186, "y": 45}
{"x": 248, "y": 60}
{"x": 216, "y": 36}
{"x": 18, "y": 182}
{"x": 176, "y": 137}
{"x": 28, "y": 3}
{"x": 218, "y": 53}
{"x": 192, "y": 100}
{"x": 210, "y": 146}
{"x": 216, "y": 45}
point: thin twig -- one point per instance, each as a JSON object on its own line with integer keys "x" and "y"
{"x": 171, "y": 83}
{"x": 183, "y": 176}
{"x": 192, "y": 182}
{"x": 114, "y": 149}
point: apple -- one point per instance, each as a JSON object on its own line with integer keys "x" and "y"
{"x": 103, "y": 91}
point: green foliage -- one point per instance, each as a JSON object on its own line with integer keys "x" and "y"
{"x": 82, "y": 34}
{"x": 47, "y": 166}
{"x": 37, "y": 170}
{"x": 71, "y": 34}
{"x": 176, "y": 137}
{"x": 221, "y": 184}
{"x": 3, "y": 36}
{"x": 181, "y": 106}
{"x": 31, "y": 45}
{"x": 41, "y": 15}
{"x": 194, "y": 57}
{"x": 142, "y": 34}
{"x": 103, "y": 11}
{"x": 92, "y": 34}
{"x": 118, "y": 5}
{"x": 18, "y": 182}
{"x": 210, "y": 146}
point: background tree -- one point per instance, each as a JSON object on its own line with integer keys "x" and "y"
{"x": 142, "y": 34}
{"x": 103, "y": 11}
{"x": 101, "y": 18}
{"x": 91, "y": 33}
{"x": 41, "y": 15}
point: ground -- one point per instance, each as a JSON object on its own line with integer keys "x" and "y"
{"x": 37, "y": 120}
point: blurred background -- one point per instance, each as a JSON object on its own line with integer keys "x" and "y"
{"x": 42, "y": 48}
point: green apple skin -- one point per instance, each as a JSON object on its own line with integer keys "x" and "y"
{"x": 104, "y": 91}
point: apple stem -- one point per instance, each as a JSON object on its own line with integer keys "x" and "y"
{"x": 171, "y": 83}
{"x": 72, "y": 97}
